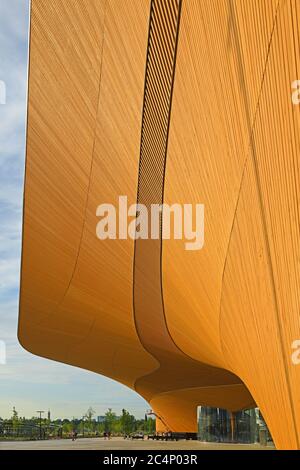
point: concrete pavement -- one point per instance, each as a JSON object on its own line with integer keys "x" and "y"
{"x": 122, "y": 444}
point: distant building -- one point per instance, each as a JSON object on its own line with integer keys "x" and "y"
{"x": 100, "y": 419}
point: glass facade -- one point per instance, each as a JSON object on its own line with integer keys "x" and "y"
{"x": 245, "y": 427}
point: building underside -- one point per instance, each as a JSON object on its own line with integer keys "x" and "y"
{"x": 174, "y": 102}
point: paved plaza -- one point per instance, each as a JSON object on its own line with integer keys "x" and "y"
{"x": 122, "y": 444}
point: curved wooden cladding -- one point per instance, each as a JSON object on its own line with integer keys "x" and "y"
{"x": 176, "y": 370}
{"x": 270, "y": 259}
{"x": 186, "y": 401}
{"x": 76, "y": 292}
{"x": 206, "y": 326}
{"x": 239, "y": 155}
{"x": 214, "y": 105}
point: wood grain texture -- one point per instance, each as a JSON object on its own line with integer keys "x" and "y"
{"x": 212, "y": 327}
{"x": 239, "y": 155}
{"x": 67, "y": 273}
{"x": 176, "y": 370}
{"x": 178, "y": 409}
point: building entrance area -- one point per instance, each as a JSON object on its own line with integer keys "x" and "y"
{"x": 244, "y": 427}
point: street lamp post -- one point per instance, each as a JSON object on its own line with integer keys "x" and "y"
{"x": 40, "y": 412}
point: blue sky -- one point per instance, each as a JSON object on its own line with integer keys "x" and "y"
{"x": 28, "y": 382}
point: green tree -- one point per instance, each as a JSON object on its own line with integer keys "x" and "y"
{"x": 100, "y": 428}
{"x": 110, "y": 420}
{"x": 127, "y": 422}
{"x": 15, "y": 418}
{"x": 149, "y": 425}
{"x": 89, "y": 418}
{"x": 67, "y": 427}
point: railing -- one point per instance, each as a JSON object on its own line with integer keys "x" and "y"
{"x": 30, "y": 431}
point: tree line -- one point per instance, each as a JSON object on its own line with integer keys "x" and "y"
{"x": 126, "y": 423}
